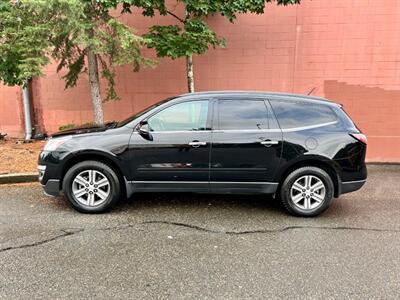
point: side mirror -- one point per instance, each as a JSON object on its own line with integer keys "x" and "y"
{"x": 144, "y": 131}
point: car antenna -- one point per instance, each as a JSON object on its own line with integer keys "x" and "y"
{"x": 311, "y": 91}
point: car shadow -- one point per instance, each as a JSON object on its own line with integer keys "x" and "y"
{"x": 234, "y": 204}
{"x": 224, "y": 204}
{"x": 196, "y": 201}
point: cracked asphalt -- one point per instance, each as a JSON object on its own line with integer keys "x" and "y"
{"x": 183, "y": 246}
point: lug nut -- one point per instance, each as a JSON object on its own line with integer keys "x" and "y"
{"x": 95, "y": 191}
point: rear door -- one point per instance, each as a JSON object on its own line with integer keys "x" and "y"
{"x": 246, "y": 146}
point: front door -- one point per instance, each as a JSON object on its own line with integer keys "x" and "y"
{"x": 246, "y": 147}
{"x": 177, "y": 156}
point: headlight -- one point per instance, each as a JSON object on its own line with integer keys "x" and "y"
{"x": 53, "y": 144}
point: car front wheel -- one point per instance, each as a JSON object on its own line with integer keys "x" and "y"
{"x": 307, "y": 191}
{"x": 91, "y": 187}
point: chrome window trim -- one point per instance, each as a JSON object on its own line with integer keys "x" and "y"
{"x": 310, "y": 126}
{"x": 180, "y": 131}
{"x": 252, "y": 130}
{"x": 245, "y": 130}
{"x": 279, "y": 130}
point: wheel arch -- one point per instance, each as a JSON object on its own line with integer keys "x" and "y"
{"x": 99, "y": 156}
{"x": 313, "y": 162}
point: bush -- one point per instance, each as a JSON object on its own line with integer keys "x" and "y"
{"x": 74, "y": 126}
{"x": 66, "y": 127}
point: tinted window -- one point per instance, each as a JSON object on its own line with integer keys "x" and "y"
{"x": 242, "y": 114}
{"x": 292, "y": 114}
{"x": 184, "y": 116}
{"x": 347, "y": 121}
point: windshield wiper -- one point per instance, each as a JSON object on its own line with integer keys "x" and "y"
{"x": 111, "y": 124}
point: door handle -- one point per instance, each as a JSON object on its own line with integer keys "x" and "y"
{"x": 269, "y": 143}
{"x": 196, "y": 144}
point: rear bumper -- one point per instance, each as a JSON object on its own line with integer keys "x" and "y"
{"x": 351, "y": 186}
{"x": 52, "y": 187}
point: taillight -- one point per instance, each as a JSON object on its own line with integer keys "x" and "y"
{"x": 360, "y": 137}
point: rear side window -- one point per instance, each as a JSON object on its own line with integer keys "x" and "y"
{"x": 293, "y": 114}
{"x": 242, "y": 115}
{"x": 347, "y": 121}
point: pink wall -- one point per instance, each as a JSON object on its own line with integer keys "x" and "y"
{"x": 345, "y": 50}
{"x": 11, "y": 113}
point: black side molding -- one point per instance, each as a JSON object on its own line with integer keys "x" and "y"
{"x": 351, "y": 186}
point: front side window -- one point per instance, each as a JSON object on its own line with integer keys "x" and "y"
{"x": 293, "y": 114}
{"x": 186, "y": 116}
{"x": 242, "y": 115}
{"x": 141, "y": 113}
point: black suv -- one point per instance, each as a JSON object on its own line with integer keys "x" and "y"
{"x": 304, "y": 150}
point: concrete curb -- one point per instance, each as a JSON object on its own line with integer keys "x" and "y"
{"x": 18, "y": 178}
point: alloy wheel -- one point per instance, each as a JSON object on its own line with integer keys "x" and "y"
{"x": 308, "y": 192}
{"x": 91, "y": 188}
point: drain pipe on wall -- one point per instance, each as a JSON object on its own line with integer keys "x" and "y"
{"x": 27, "y": 110}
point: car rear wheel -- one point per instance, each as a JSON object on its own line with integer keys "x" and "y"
{"x": 307, "y": 191}
{"x": 91, "y": 187}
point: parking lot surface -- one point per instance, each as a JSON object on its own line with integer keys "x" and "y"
{"x": 184, "y": 246}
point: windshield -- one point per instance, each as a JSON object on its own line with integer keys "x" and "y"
{"x": 137, "y": 115}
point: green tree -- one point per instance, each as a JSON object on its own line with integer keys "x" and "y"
{"x": 192, "y": 35}
{"x": 80, "y": 35}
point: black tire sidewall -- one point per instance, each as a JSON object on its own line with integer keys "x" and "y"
{"x": 98, "y": 166}
{"x": 296, "y": 174}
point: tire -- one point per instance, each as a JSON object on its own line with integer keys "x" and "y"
{"x": 312, "y": 201}
{"x": 96, "y": 198}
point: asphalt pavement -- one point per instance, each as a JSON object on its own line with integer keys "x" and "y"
{"x": 184, "y": 246}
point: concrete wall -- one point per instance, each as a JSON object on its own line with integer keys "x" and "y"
{"x": 345, "y": 50}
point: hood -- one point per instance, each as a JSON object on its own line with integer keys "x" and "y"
{"x": 85, "y": 129}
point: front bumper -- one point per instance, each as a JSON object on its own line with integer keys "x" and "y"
{"x": 52, "y": 187}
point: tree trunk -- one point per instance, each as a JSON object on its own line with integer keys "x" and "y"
{"x": 95, "y": 88}
{"x": 190, "y": 75}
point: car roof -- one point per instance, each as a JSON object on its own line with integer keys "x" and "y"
{"x": 260, "y": 93}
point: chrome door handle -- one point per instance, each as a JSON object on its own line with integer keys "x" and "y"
{"x": 196, "y": 144}
{"x": 269, "y": 143}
